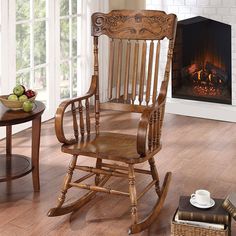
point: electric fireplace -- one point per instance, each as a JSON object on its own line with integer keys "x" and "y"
{"x": 202, "y": 61}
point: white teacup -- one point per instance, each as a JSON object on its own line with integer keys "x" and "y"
{"x": 201, "y": 197}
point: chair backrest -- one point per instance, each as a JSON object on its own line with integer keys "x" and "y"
{"x": 134, "y": 56}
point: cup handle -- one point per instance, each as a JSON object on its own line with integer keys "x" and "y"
{"x": 193, "y": 196}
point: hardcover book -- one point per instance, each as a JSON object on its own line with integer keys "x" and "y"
{"x": 229, "y": 205}
{"x": 199, "y": 224}
{"x": 216, "y": 214}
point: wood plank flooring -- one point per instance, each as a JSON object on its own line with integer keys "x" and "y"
{"x": 200, "y": 153}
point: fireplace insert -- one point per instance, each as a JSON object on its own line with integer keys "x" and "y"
{"x": 202, "y": 61}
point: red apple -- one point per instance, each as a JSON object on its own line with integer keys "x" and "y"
{"x": 30, "y": 93}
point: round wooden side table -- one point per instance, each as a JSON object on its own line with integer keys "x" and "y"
{"x": 13, "y": 166}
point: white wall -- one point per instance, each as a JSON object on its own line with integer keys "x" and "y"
{"x": 127, "y": 4}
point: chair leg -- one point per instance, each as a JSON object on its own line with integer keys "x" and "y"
{"x": 155, "y": 175}
{"x": 144, "y": 224}
{"x": 133, "y": 195}
{"x": 98, "y": 165}
{"x": 67, "y": 180}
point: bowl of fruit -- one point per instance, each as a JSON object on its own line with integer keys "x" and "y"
{"x": 19, "y": 99}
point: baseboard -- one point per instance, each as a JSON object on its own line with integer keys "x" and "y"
{"x": 208, "y": 110}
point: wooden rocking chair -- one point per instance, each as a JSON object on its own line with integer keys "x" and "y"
{"x": 135, "y": 42}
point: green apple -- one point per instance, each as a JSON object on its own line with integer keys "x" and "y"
{"x": 19, "y": 90}
{"x": 28, "y": 106}
{"x": 12, "y": 97}
{"x": 23, "y": 98}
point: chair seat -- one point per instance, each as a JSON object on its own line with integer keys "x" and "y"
{"x": 105, "y": 145}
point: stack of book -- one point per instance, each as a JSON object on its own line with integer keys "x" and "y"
{"x": 214, "y": 218}
{"x": 190, "y": 220}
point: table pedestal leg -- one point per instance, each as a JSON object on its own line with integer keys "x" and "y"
{"x": 36, "y": 129}
{"x": 8, "y": 140}
{"x": 8, "y": 156}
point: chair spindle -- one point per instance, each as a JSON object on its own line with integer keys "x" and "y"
{"x": 127, "y": 68}
{"x": 155, "y": 129}
{"x": 150, "y": 134}
{"x": 81, "y": 118}
{"x": 143, "y": 72}
{"x": 96, "y": 72}
{"x": 135, "y": 70}
{"x": 75, "y": 123}
{"x": 155, "y": 83}
{"x": 149, "y": 79}
{"x": 159, "y": 124}
{"x": 119, "y": 68}
{"x": 111, "y": 67}
{"x": 87, "y": 116}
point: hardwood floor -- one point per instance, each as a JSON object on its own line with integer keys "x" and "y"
{"x": 200, "y": 153}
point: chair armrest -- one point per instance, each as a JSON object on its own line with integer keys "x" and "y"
{"x": 149, "y": 128}
{"x": 59, "y": 116}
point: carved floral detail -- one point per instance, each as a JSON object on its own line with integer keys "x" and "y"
{"x": 139, "y": 24}
{"x": 138, "y": 18}
{"x": 114, "y": 20}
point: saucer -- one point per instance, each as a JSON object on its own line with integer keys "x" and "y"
{"x": 212, "y": 203}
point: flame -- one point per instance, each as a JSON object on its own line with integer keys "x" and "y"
{"x": 205, "y": 57}
{"x": 209, "y": 77}
{"x": 199, "y": 74}
{"x": 192, "y": 68}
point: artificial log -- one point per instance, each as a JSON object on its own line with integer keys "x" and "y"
{"x": 217, "y": 73}
{"x": 204, "y": 74}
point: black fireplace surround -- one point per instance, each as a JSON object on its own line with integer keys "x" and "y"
{"x": 202, "y": 61}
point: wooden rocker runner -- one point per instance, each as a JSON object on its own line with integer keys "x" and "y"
{"x": 134, "y": 85}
